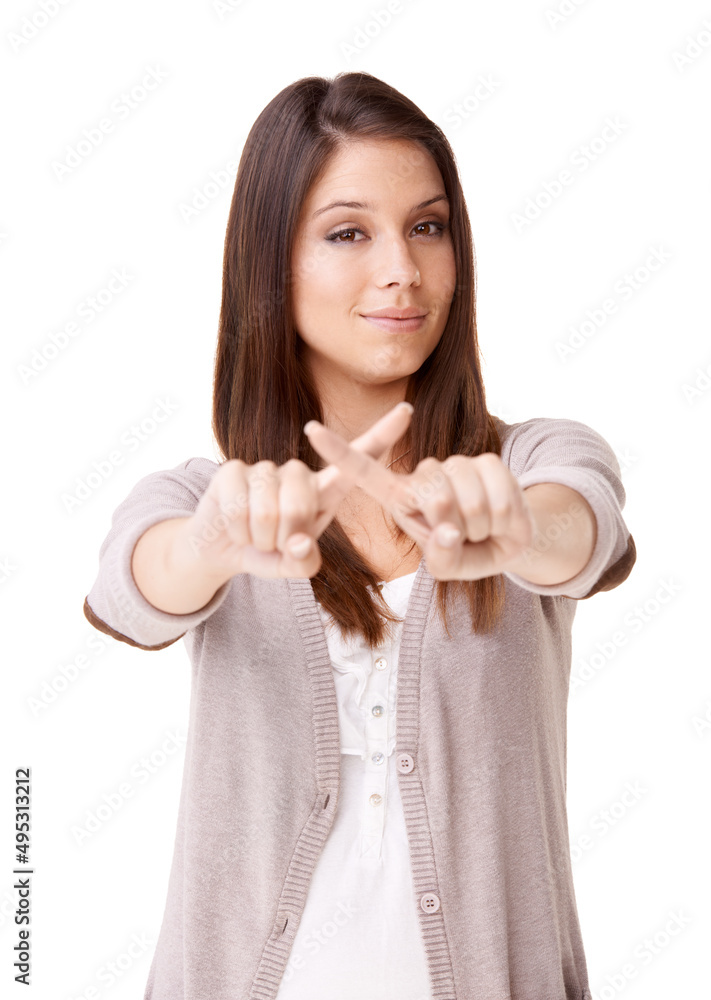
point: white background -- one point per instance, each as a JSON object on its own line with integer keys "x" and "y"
{"x": 643, "y": 715}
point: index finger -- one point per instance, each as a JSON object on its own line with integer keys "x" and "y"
{"x": 333, "y": 482}
{"x": 360, "y": 468}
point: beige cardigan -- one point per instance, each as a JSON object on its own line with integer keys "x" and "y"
{"x": 481, "y": 750}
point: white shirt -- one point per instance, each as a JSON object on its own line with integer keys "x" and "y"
{"x": 359, "y": 935}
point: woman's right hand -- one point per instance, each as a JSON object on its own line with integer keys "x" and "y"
{"x": 251, "y": 518}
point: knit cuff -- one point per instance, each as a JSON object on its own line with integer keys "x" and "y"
{"x": 116, "y": 606}
{"x": 611, "y": 543}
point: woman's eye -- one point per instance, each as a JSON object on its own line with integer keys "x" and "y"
{"x": 344, "y": 232}
{"x": 336, "y": 237}
{"x": 430, "y": 224}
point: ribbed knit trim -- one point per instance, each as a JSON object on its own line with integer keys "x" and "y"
{"x": 328, "y": 775}
{"x": 327, "y": 752}
{"x": 424, "y": 873}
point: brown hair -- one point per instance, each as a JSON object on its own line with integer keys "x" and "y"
{"x": 263, "y": 394}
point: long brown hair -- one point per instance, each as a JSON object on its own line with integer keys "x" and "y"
{"x": 263, "y": 394}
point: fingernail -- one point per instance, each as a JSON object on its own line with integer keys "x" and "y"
{"x": 310, "y": 426}
{"x": 300, "y": 549}
{"x": 447, "y": 535}
{"x": 406, "y": 406}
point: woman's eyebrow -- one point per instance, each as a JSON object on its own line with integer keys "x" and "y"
{"x": 369, "y": 207}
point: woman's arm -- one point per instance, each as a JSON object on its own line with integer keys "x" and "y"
{"x": 168, "y": 572}
{"x": 164, "y": 571}
{"x": 564, "y": 541}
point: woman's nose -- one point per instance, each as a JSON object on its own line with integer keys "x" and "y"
{"x": 397, "y": 264}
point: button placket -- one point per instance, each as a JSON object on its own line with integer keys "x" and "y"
{"x": 375, "y": 778}
{"x": 379, "y": 723}
{"x": 376, "y": 756}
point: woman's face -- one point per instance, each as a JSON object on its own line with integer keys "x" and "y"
{"x": 388, "y": 254}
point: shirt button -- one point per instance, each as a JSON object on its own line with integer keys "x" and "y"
{"x": 405, "y": 763}
{"x": 430, "y": 902}
{"x": 376, "y": 799}
{"x": 381, "y": 663}
{"x": 378, "y": 710}
{"x": 378, "y": 757}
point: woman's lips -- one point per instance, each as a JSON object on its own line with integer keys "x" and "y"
{"x": 397, "y": 325}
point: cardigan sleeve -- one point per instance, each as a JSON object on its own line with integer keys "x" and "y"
{"x": 115, "y": 605}
{"x": 554, "y": 450}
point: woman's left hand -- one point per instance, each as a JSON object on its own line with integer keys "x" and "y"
{"x": 478, "y": 497}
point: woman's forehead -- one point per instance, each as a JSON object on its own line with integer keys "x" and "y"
{"x": 366, "y": 175}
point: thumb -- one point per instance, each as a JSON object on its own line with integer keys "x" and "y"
{"x": 444, "y": 551}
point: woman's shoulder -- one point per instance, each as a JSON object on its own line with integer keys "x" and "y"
{"x": 185, "y": 482}
{"x": 540, "y": 428}
{"x": 552, "y": 441}
{"x": 198, "y": 466}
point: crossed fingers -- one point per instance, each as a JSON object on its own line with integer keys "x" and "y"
{"x": 475, "y": 501}
{"x": 338, "y": 478}
{"x": 350, "y": 466}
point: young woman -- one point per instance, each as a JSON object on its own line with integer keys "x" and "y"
{"x": 374, "y": 796}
